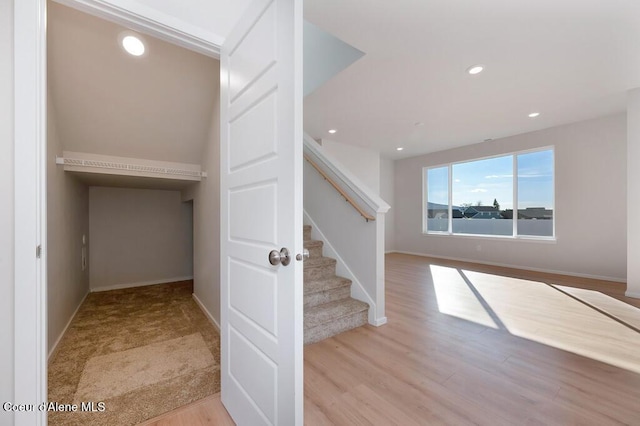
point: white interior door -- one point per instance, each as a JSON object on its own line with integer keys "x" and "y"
{"x": 261, "y": 199}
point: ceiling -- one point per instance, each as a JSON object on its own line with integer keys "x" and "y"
{"x": 571, "y": 60}
{"x": 159, "y": 106}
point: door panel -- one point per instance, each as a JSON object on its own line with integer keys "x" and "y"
{"x": 263, "y": 226}
{"x": 261, "y": 202}
{"x": 248, "y": 362}
{"x": 263, "y": 285}
{"x": 256, "y": 51}
{"x": 251, "y": 130}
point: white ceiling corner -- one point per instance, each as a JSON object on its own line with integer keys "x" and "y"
{"x": 324, "y": 56}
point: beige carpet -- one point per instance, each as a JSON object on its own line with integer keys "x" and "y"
{"x": 142, "y": 352}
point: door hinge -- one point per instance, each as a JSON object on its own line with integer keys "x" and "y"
{"x": 39, "y": 252}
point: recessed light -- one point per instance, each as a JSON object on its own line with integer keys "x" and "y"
{"x": 133, "y": 45}
{"x": 399, "y": 148}
{"x": 332, "y": 131}
{"x": 475, "y": 69}
{"x": 534, "y": 114}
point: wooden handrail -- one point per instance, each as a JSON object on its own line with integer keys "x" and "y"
{"x": 346, "y": 196}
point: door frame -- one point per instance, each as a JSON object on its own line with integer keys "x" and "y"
{"x": 30, "y": 171}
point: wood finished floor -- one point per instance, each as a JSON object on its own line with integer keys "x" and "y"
{"x": 465, "y": 347}
{"x": 207, "y": 411}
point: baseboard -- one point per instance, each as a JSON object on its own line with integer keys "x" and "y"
{"x": 380, "y": 321}
{"x": 524, "y": 268}
{"x": 633, "y": 294}
{"x": 206, "y": 312}
{"x": 66, "y": 327}
{"x": 138, "y": 284}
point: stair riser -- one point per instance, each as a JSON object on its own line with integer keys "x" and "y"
{"x": 315, "y": 251}
{"x": 319, "y": 272}
{"x": 324, "y": 331}
{"x": 320, "y": 297}
{"x": 306, "y": 232}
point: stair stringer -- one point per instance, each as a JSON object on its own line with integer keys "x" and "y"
{"x": 342, "y": 269}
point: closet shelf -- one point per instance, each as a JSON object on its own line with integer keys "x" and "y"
{"x": 94, "y": 163}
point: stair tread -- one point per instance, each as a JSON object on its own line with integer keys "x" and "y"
{"x": 331, "y": 311}
{"x": 312, "y": 243}
{"x": 313, "y": 286}
{"x": 318, "y": 261}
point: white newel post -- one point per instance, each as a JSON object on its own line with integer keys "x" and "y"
{"x": 633, "y": 193}
{"x": 381, "y": 317}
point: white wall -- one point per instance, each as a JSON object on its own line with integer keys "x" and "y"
{"x": 591, "y": 176}
{"x": 138, "y": 237}
{"x": 633, "y": 193}
{"x": 361, "y": 162}
{"x": 67, "y": 222}
{"x": 387, "y": 179}
{"x": 376, "y": 172}
{"x": 6, "y": 207}
{"x": 206, "y": 221}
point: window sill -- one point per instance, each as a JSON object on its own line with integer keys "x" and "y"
{"x": 531, "y": 239}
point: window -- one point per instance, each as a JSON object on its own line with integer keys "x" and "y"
{"x": 535, "y": 193}
{"x": 481, "y": 190}
{"x": 480, "y": 197}
{"x": 437, "y": 185}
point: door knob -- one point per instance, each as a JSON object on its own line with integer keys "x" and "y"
{"x": 279, "y": 257}
{"x": 303, "y": 256}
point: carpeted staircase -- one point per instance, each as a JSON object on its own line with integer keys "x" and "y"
{"x": 328, "y": 306}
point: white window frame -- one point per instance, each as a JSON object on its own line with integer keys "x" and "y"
{"x": 514, "y": 236}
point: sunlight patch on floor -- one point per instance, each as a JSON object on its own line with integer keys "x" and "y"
{"x": 455, "y": 298}
{"x": 617, "y": 308}
{"x": 541, "y": 313}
